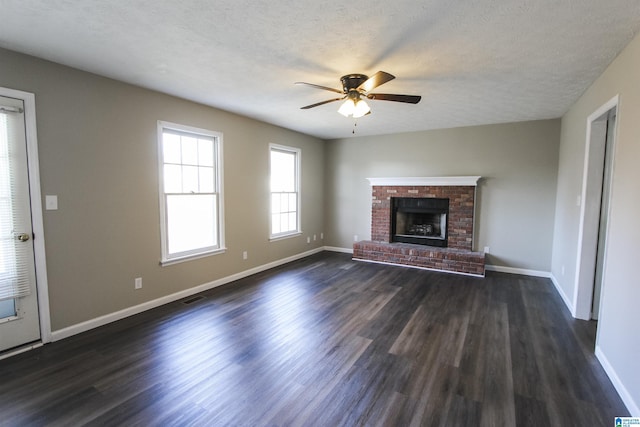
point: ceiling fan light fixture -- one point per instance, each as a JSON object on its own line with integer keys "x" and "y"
{"x": 347, "y": 108}
{"x": 361, "y": 109}
{"x": 354, "y": 107}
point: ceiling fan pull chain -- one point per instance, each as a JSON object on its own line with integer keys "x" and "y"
{"x": 355, "y": 123}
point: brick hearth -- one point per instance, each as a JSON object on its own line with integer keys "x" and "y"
{"x": 457, "y": 257}
{"x": 445, "y": 259}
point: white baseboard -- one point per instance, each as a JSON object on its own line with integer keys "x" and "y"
{"x": 341, "y": 250}
{"x": 631, "y": 405}
{"x": 512, "y": 270}
{"x": 130, "y": 311}
{"x": 564, "y": 296}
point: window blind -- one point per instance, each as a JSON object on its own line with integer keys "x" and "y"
{"x": 15, "y": 256}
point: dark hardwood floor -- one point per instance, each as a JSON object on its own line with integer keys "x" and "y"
{"x": 330, "y": 342}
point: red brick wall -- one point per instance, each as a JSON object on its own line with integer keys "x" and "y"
{"x": 461, "y": 199}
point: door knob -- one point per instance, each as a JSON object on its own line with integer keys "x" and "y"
{"x": 23, "y": 237}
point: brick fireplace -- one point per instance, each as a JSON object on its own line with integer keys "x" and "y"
{"x": 458, "y": 255}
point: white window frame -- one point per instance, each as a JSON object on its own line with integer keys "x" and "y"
{"x": 298, "y": 190}
{"x": 166, "y": 257}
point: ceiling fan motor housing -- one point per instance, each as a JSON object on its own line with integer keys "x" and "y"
{"x": 352, "y": 81}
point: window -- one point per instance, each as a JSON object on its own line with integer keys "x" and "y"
{"x": 191, "y": 192}
{"x": 285, "y": 191}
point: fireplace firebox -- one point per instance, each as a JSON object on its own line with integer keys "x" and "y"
{"x": 421, "y": 221}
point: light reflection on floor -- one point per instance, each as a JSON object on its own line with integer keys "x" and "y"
{"x": 249, "y": 344}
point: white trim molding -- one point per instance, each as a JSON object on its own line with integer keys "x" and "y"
{"x": 522, "y": 271}
{"x": 433, "y": 181}
{"x": 567, "y": 301}
{"x": 337, "y": 249}
{"x": 35, "y": 196}
{"x": 626, "y": 397}
{"x": 588, "y": 224}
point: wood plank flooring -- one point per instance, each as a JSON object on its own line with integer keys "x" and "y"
{"x": 326, "y": 341}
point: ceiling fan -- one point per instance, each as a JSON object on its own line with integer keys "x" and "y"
{"x": 356, "y": 87}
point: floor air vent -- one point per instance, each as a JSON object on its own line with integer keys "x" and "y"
{"x": 192, "y": 300}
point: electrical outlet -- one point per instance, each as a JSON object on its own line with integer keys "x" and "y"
{"x": 355, "y": 237}
{"x": 245, "y": 255}
{"x": 308, "y": 239}
{"x": 486, "y": 249}
{"x": 314, "y": 237}
{"x": 321, "y": 236}
{"x": 138, "y": 283}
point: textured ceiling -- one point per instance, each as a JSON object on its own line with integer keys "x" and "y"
{"x": 473, "y": 61}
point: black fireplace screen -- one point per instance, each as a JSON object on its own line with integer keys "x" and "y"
{"x": 419, "y": 220}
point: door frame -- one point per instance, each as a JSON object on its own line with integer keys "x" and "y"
{"x": 588, "y": 226}
{"x": 35, "y": 197}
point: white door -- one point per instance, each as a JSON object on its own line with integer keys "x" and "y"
{"x": 19, "y": 319}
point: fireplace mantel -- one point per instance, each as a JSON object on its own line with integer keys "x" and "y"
{"x": 430, "y": 181}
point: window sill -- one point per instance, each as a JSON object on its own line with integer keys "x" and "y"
{"x": 178, "y": 260}
{"x": 285, "y": 236}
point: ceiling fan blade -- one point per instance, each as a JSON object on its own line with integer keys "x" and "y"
{"x": 410, "y": 99}
{"x": 376, "y": 80}
{"x": 320, "y": 87}
{"x": 322, "y": 103}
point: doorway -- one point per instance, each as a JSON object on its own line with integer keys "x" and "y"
{"x": 594, "y": 213}
{"x": 608, "y": 121}
{"x": 24, "y": 314}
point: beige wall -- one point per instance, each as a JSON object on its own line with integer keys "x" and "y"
{"x": 516, "y": 197}
{"x": 618, "y": 338}
{"x": 98, "y": 153}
